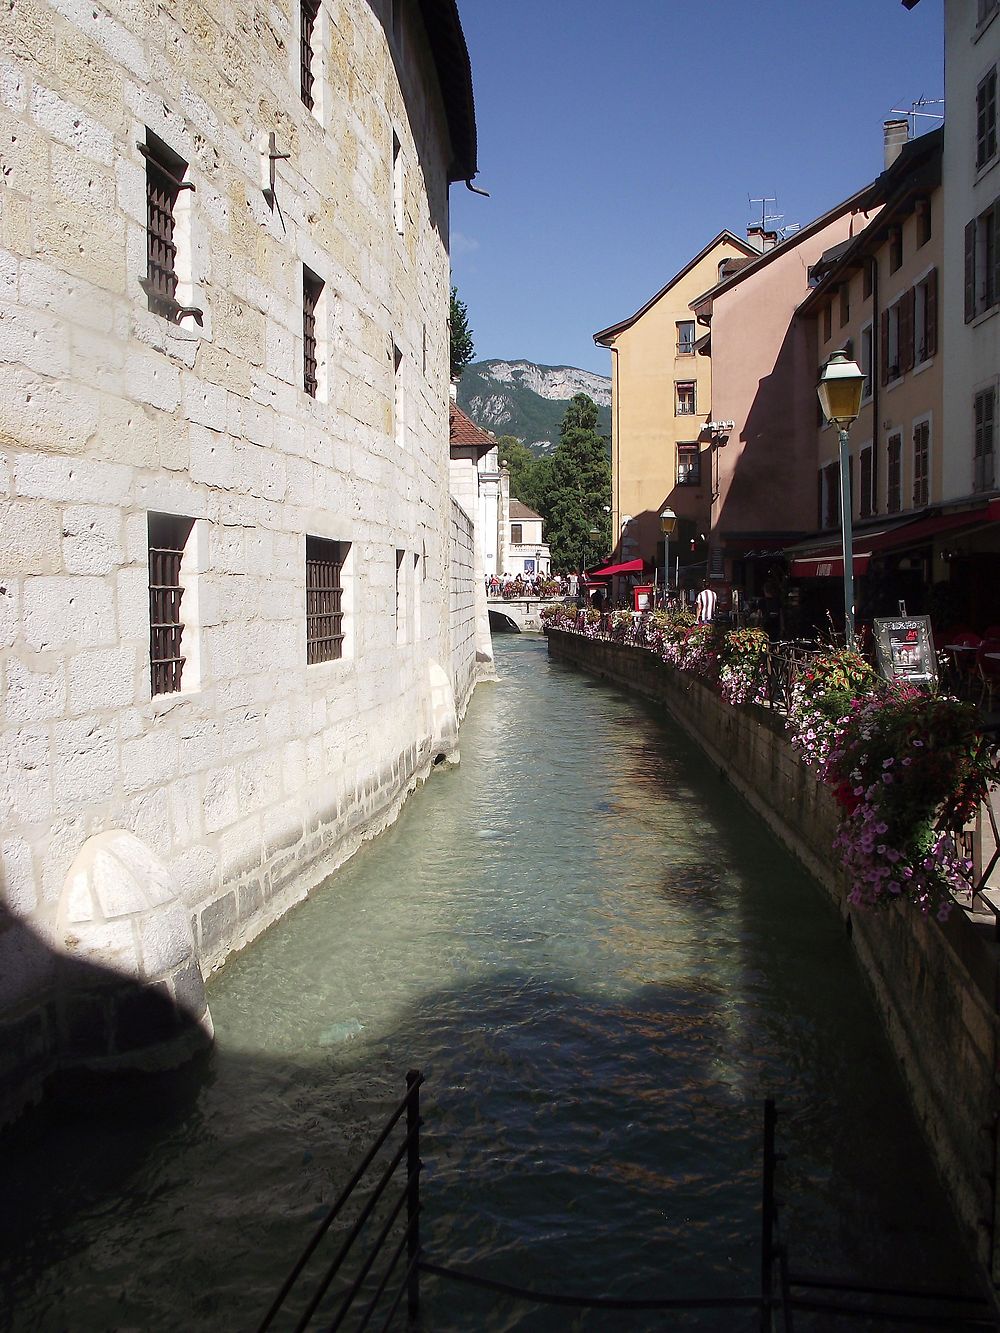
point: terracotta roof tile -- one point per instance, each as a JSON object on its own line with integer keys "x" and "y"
{"x": 520, "y": 511}
{"x": 463, "y": 431}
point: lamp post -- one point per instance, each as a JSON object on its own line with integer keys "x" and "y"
{"x": 668, "y": 526}
{"x": 841, "y": 384}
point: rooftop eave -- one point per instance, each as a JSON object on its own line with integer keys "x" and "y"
{"x": 454, "y": 70}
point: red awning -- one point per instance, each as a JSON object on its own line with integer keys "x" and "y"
{"x": 629, "y": 567}
{"x": 826, "y": 562}
{"x": 828, "y": 565}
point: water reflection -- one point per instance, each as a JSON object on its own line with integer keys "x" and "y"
{"x": 603, "y": 964}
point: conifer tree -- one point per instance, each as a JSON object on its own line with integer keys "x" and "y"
{"x": 579, "y": 498}
{"x": 462, "y": 347}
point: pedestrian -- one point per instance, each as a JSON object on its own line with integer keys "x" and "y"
{"x": 705, "y": 605}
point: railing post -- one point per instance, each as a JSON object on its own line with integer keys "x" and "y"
{"x": 767, "y": 1220}
{"x": 413, "y": 1165}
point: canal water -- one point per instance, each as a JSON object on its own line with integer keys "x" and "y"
{"x": 603, "y": 963}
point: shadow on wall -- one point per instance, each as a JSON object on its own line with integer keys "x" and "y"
{"x": 114, "y": 985}
{"x": 773, "y": 483}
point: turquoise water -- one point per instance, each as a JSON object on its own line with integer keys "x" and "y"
{"x": 602, "y": 963}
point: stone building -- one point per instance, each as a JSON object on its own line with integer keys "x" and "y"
{"x": 237, "y": 617}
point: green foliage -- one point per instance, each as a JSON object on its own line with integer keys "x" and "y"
{"x": 462, "y": 347}
{"x": 579, "y": 529}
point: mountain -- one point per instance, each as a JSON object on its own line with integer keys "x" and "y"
{"x": 527, "y": 400}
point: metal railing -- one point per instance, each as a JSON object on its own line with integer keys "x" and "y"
{"x": 407, "y": 1198}
{"x": 782, "y": 1291}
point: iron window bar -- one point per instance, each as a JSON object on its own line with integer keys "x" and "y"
{"x": 308, "y": 9}
{"x": 311, "y": 289}
{"x": 324, "y": 601}
{"x": 165, "y": 625}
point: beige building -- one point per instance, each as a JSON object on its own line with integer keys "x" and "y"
{"x": 237, "y": 602}
{"x": 661, "y": 396}
{"x": 879, "y": 297}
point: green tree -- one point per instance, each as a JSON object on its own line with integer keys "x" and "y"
{"x": 520, "y": 464}
{"x": 462, "y": 347}
{"x": 579, "y": 496}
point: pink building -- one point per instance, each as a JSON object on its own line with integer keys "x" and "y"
{"x": 762, "y": 429}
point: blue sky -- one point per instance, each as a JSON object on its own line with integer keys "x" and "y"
{"x": 616, "y": 137}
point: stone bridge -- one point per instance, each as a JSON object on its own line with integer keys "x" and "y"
{"x": 516, "y": 615}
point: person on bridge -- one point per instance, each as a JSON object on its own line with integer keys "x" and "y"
{"x": 705, "y": 605}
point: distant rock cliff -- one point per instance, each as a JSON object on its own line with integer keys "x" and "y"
{"x": 527, "y": 400}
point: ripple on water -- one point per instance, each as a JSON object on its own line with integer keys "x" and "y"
{"x": 603, "y": 964}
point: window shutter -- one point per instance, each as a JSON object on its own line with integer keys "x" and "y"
{"x": 930, "y": 315}
{"x": 970, "y": 271}
{"x": 883, "y": 348}
{"x": 995, "y": 275}
{"x": 907, "y": 304}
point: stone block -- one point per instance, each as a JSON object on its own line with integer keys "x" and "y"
{"x": 251, "y": 900}
{"x": 34, "y": 691}
{"x": 220, "y": 799}
{"x": 71, "y": 480}
{"x": 152, "y": 379}
{"x": 103, "y": 678}
{"x": 85, "y": 1026}
{"x": 91, "y": 539}
{"x": 19, "y": 887}
{"x": 205, "y": 404}
{"x": 29, "y": 538}
{"x": 26, "y": 965}
{"x": 66, "y": 123}
{"x": 25, "y": 776}
{"x": 166, "y": 942}
{"x": 189, "y": 990}
{"x": 68, "y": 612}
{"x": 24, "y": 1041}
{"x": 218, "y": 925}
{"x": 150, "y": 760}
{"x": 85, "y": 762}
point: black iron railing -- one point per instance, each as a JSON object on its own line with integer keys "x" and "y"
{"x": 782, "y": 1291}
{"x": 389, "y": 1285}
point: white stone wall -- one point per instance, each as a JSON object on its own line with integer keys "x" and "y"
{"x": 263, "y": 773}
{"x": 971, "y": 351}
{"x": 467, "y": 591}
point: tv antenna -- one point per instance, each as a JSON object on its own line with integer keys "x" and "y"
{"x": 774, "y": 218}
{"x": 917, "y": 109}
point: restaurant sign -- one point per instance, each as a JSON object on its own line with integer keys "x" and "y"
{"x": 905, "y": 647}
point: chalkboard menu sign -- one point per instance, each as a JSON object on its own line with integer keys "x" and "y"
{"x": 905, "y": 649}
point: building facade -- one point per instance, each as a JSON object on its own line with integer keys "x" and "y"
{"x": 231, "y": 567}
{"x": 527, "y": 554}
{"x": 661, "y": 396}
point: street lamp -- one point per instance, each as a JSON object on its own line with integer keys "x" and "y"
{"x": 668, "y": 526}
{"x": 841, "y": 385}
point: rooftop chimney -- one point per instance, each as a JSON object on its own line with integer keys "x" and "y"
{"x": 897, "y": 133}
{"x": 760, "y": 239}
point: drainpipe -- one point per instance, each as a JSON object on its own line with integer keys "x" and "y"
{"x": 876, "y": 373}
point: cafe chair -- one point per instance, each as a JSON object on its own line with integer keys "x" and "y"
{"x": 988, "y": 667}
{"x": 964, "y": 650}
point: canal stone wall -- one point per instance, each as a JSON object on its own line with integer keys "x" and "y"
{"x": 935, "y": 985}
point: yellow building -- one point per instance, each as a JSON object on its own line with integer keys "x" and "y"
{"x": 661, "y": 397}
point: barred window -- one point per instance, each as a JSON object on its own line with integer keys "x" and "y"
{"x": 312, "y": 290}
{"x": 308, "y": 12}
{"x": 164, "y": 181}
{"x": 168, "y": 535}
{"x": 324, "y": 599}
